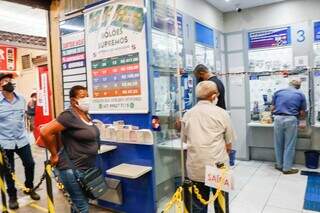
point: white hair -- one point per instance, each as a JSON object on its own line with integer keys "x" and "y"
{"x": 295, "y": 81}
{"x": 205, "y": 89}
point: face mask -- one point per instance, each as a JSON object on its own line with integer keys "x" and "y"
{"x": 297, "y": 87}
{"x": 83, "y": 104}
{"x": 200, "y": 79}
{"x": 9, "y": 87}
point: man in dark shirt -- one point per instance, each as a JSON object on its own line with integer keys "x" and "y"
{"x": 288, "y": 105}
{"x": 202, "y": 73}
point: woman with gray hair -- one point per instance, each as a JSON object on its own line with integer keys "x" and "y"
{"x": 208, "y": 132}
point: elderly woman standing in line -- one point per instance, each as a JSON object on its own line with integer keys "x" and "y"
{"x": 208, "y": 132}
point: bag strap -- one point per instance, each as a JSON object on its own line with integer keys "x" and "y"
{"x": 65, "y": 153}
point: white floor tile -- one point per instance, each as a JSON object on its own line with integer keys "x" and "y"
{"x": 289, "y": 192}
{"x": 259, "y": 188}
{"x": 272, "y": 209}
{"x": 241, "y": 176}
{"x": 250, "y": 163}
{"x": 233, "y": 194}
{"x": 240, "y": 207}
{"x": 308, "y": 211}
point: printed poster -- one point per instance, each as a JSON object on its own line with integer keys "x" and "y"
{"x": 116, "y": 57}
{"x": 271, "y": 59}
{"x": 8, "y": 58}
{"x": 270, "y": 38}
{"x": 73, "y": 55}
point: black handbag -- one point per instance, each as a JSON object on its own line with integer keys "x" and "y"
{"x": 92, "y": 181}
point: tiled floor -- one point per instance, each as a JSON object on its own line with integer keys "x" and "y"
{"x": 259, "y": 188}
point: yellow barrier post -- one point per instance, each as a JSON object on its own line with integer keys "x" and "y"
{"x": 49, "y": 187}
{"x": 2, "y": 184}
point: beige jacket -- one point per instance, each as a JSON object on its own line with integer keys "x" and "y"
{"x": 206, "y": 129}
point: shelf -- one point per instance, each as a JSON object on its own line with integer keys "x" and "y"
{"x": 258, "y": 124}
{"x": 106, "y": 148}
{"x": 130, "y": 171}
{"x": 172, "y": 145}
{"x": 127, "y": 142}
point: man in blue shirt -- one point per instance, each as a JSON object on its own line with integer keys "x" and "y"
{"x": 13, "y": 137}
{"x": 288, "y": 106}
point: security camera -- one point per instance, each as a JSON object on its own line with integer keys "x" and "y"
{"x": 238, "y": 9}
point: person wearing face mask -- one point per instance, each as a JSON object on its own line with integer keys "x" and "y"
{"x": 31, "y": 110}
{"x": 202, "y": 73}
{"x": 14, "y": 138}
{"x": 208, "y": 132}
{"x": 288, "y": 106}
{"x": 74, "y": 133}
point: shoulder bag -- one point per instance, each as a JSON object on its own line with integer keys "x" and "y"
{"x": 92, "y": 181}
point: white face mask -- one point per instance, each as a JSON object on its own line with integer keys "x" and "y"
{"x": 84, "y": 104}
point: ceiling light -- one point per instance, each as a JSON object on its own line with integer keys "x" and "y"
{"x": 71, "y": 27}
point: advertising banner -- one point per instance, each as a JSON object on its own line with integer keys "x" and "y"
{"x": 73, "y": 55}
{"x": 43, "y": 113}
{"x": 8, "y": 58}
{"x": 117, "y": 58}
{"x": 270, "y": 38}
{"x": 317, "y": 31}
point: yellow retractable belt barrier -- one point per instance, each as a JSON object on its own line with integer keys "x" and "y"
{"x": 48, "y": 170}
{"x": 2, "y": 185}
{"x": 176, "y": 199}
{"x": 4, "y": 165}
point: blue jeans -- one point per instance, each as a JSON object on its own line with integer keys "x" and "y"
{"x": 77, "y": 196}
{"x": 285, "y": 139}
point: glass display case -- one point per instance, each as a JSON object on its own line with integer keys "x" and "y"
{"x": 316, "y": 49}
{"x": 164, "y": 50}
{"x": 271, "y": 59}
{"x": 204, "y": 55}
{"x": 262, "y": 88}
{"x": 167, "y": 61}
{"x": 316, "y": 83}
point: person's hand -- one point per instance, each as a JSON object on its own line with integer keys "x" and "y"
{"x": 54, "y": 159}
{"x": 229, "y": 148}
{"x": 177, "y": 124}
{"x": 302, "y": 124}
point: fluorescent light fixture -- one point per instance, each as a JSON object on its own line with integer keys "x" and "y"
{"x": 71, "y": 27}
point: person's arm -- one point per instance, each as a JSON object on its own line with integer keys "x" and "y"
{"x": 302, "y": 113}
{"x": 229, "y": 134}
{"x": 49, "y": 134}
{"x": 273, "y": 105}
{"x": 183, "y": 129}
